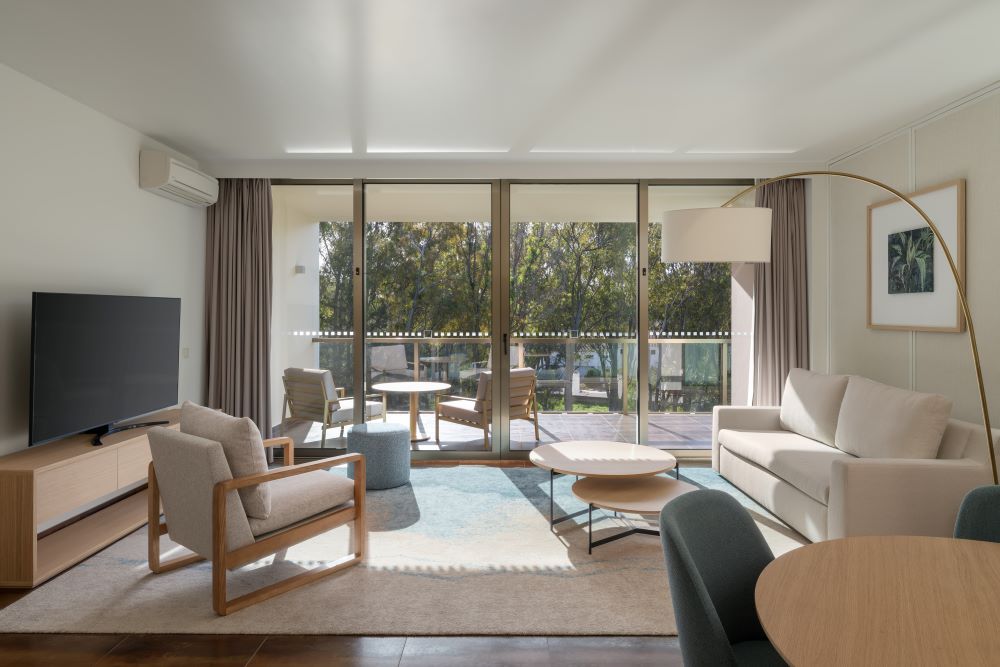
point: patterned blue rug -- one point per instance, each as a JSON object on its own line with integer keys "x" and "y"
{"x": 460, "y": 550}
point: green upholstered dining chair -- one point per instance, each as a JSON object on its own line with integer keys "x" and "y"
{"x": 979, "y": 515}
{"x": 715, "y": 553}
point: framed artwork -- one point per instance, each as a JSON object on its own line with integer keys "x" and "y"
{"x": 910, "y": 287}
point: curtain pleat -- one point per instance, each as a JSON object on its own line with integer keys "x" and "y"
{"x": 781, "y": 312}
{"x": 238, "y": 300}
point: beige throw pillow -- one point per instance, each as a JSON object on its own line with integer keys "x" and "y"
{"x": 879, "y": 421}
{"x": 242, "y": 445}
{"x": 810, "y": 404}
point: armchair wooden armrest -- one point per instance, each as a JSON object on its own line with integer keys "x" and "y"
{"x": 444, "y": 397}
{"x": 302, "y": 468}
{"x": 223, "y": 558}
{"x": 286, "y": 444}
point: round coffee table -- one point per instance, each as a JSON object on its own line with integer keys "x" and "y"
{"x": 599, "y": 458}
{"x": 643, "y": 495}
{"x": 414, "y": 389}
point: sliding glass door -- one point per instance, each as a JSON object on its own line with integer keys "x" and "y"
{"x": 573, "y": 312}
{"x": 389, "y": 283}
{"x": 691, "y": 336}
{"x": 428, "y": 291}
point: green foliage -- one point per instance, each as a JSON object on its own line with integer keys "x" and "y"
{"x": 911, "y": 261}
{"x": 564, "y": 277}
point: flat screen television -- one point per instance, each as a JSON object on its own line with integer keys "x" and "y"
{"x": 98, "y": 359}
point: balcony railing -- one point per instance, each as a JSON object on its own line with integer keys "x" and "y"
{"x": 577, "y": 371}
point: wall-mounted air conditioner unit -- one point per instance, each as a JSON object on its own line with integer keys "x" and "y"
{"x": 168, "y": 177}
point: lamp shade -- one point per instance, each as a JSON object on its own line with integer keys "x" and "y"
{"x": 717, "y": 235}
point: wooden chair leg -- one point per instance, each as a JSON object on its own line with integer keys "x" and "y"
{"x": 322, "y": 440}
{"x": 486, "y": 433}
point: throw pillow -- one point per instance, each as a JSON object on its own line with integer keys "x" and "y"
{"x": 810, "y": 404}
{"x": 879, "y": 421}
{"x": 242, "y": 445}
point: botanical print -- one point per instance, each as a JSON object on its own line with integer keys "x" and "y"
{"x": 911, "y": 261}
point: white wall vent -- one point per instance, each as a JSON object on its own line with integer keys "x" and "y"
{"x": 168, "y": 177}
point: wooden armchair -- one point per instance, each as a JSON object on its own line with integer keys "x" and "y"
{"x": 478, "y": 412}
{"x": 205, "y": 511}
{"x": 311, "y": 395}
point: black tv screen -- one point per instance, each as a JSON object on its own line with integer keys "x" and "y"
{"x": 96, "y": 360}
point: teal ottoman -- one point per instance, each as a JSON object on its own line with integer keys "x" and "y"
{"x": 386, "y": 448}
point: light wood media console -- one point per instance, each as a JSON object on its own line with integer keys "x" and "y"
{"x": 54, "y": 480}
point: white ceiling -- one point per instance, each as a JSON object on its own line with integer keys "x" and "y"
{"x": 508, "y": 80}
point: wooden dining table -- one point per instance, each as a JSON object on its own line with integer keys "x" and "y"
{"x": 884, "y": 601}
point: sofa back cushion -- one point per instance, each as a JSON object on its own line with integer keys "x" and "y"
{"x": 242, "y": 445}
{"x": 879, "y": 421}
{"x": 810, "y": 404}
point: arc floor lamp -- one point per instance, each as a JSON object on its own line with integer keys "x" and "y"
{"x": 729, "y": 234}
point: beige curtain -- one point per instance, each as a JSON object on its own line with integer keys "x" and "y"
{"x": 238, "y": 300}
{"x": 781, "y": 324}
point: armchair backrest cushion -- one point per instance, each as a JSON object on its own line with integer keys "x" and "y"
{"x": 308, "y": 392}
{"x": 879, "y": 421}
{"x": 810, "y": 404}
{"x": 187, "y": 469}
{"x": 484, "y": 391}
{"x": 522, "y": 391}
{"x": 243, "y": 448}
{"x": 388, "y": 358}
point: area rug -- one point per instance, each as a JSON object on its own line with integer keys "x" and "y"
{"x": 463, "y": 550}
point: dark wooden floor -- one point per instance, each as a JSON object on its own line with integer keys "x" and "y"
{"x": 19, "y": 650}
{"x": 306, "y": 651}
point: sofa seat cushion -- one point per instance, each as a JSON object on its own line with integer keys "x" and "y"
{"x": 464, "y": 410}
{"x": 880, "y": 421}
{"x": 810, "y": 404}
{"x": 803, "y": 463}
{"x": 299, "y": 497}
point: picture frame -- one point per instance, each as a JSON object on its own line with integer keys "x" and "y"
{"x": 910, "y": 286}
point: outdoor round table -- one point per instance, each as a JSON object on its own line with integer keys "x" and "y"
{"x": 884, "y": 600}
{"x": 414, "y": 389}
{"x": 598, "y": 458}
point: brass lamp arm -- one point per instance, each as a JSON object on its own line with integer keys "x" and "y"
{"x": 959, "y": 282}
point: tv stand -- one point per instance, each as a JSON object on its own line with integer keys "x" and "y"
{"x": 108, "y": 429}
{"x": 84, "y": 498}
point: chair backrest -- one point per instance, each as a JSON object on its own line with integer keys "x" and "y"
{"x": 714, "y": 553}
{"x": 522, "y": 391}
{"x": 308, "y": 391}
{"x": 388, "y": 358}
{"x": 979, "y": 515}
{"x": 187, "y": 469}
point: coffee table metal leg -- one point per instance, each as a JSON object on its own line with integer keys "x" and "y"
{"x": 677, "y": 470}
{"x": 552, "y": 520}
{"x": 590, "y": 528}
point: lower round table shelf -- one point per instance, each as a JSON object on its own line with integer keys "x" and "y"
{"x": 644, "y": 496}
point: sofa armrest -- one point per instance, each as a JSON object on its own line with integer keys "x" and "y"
{"x": 741, "y": 418}
{"x": 899, "y": 496}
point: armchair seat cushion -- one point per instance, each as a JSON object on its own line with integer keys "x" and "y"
{"x": 299, "y": 497}
{"x": 803, "y": 463}
{"x": 465, "y": 410}
{"x": 345, "y": 410}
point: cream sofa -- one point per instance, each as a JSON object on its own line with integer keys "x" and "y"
{"x": 844, "y": 455}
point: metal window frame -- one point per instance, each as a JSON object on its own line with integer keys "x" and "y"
{"x": 500, "y": 296}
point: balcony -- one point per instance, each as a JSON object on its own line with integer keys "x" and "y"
{"x": 586, "y": 388}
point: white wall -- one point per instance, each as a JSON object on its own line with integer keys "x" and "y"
{"x": 961, "y": 141}
{"x": 72, "y": 218}
{"x": 297, "y": 214}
